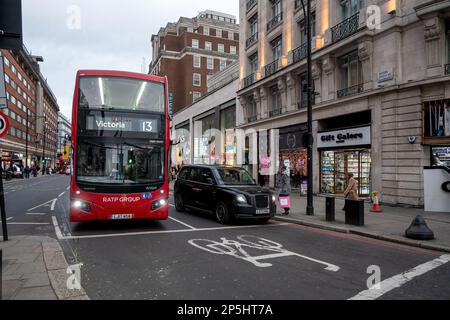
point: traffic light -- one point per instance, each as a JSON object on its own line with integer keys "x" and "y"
{"x": 131, "y": 157}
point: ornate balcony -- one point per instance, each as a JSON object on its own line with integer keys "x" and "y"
{"x": 345, "y": 29}
{"x": 253, "y": 39}
{"x": 252, "y": 119}
{"x": 299, "y": 53}
{"x": 350, "y": 91}
{"x": 248, "y": 81}
{"x": 447, "y": 70}
{"x": 251, "y": 4}
{"x": 275, "y": 21}
{"x": 272, "y": 67}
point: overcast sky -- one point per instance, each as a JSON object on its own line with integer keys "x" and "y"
{"x": 113, "y": 35}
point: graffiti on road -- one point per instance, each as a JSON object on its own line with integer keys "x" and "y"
{"x": 239, "y": 249}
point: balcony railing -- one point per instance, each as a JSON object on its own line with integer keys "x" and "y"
{"x": 252, "y": 119}
{"x": 253, "y": 39}
{"x": 299, "y": 53}
{"x": 275, "y": 20}
{"x": 272, "y": 67}
{"x": 275, "y": 112}
{"x": 345, "y": 29}
{"x": 251, "y": 4}
{"x": 447, "y": 69}
{"x": 248, "y": 81}
{"x": 350, "y": 91}
{"x": 298, "y": 4}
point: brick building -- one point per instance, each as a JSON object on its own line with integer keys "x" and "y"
{"x": 32, "y": 110}
{"x": 191, "y": 50}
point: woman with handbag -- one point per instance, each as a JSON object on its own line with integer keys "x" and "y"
{"x": 352, "y": 188}
{"x": 284, "y": 190}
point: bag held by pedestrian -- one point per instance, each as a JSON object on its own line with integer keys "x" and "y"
{"x": 285, "y": 202}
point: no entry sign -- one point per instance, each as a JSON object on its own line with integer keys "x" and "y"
{"x": 4, "y": 124}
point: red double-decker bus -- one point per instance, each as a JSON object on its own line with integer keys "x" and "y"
{"x": 120, "y": 139}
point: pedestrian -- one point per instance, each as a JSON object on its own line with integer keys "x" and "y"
{"x": 284, "y": 189}
{"x": 351, "y": 192}
{"x": 261, "y": 180}
{"x": 27, "y": 172}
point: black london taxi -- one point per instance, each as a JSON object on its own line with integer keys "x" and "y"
{"x": 229, "y": 193}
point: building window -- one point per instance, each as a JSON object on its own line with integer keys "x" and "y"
{"x": 251, "y": 110}
{"x": 195, "y": 43}
{"x": 223, "y": 64}
{"x": 219, "y": 33}
{"x": 350, "y": 69}
{"x": 253, "y": 60}
{"x": 196, "y": 96}
{"x": 208, "y": 45}
{"x": 7, "y": 61}
{"x": 220, "y": 47}
{"x": 190, "y": 29}
{"x": 206, "y": 31}
{"x": 253, "y": 25}
{"x": 197, "y": 61}
{"x": 233, "y": 49}
{"x": 276, "y": 101}
{"x": 277, "y": 48}
{"x": 303, "y": 35}
{"x": 197, "y": 79}
{"x": 230, "y": 35}
{"x": 210, "y": 63}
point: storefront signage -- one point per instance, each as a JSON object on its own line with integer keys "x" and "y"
{"x": 344, "y": 138}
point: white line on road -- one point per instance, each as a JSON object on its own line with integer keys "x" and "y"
{"x": 400, "y": 279}
{"x": 45, "y": 204}
{"x": 68, "y": 188}
{"x": 184, "y": 224}
{"x": 57, "y": 229}
{"x": 163, "y": 231}
{"x": 36, "y": 214}
{"x": 61, "y": 194}
{"x": 7, "y": 219}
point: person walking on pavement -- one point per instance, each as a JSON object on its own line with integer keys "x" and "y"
{"x": 284, "y": 186}
{"x": 27, "y": 172}
{"x": 352, "y": 188}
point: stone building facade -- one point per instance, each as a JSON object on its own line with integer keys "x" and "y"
{"x": 382, "y": 91}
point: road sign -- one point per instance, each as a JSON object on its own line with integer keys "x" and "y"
{"x": 4, "y": 124}
{"x": 11, "y": 24}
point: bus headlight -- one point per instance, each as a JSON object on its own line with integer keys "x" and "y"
{"x": 84, "y": 206}
{"x": 159, "y": 204}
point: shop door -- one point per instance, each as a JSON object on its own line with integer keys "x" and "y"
{"x": 340, "y": 171}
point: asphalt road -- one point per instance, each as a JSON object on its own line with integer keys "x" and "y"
{"x": 190, "y": 256}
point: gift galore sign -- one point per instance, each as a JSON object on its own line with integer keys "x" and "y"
{"x": 345, "y": 138}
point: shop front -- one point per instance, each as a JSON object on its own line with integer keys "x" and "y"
{"x": 183, "y": 145}
{"x": 342, "y": 152}
{"x": 293, "y": 155}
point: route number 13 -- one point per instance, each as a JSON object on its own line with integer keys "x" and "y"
{"x": 147, "y": 126}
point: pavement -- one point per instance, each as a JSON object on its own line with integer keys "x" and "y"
{"x": 388, "y": 225}
{"x": 34, "y": 268}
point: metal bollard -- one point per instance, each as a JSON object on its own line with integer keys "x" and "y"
{"x": 354, "y": 212}
{"x": 330, "y": 205}
{"x": 1, "y": 274}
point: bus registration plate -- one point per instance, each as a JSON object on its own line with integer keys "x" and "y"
{"x": 121, "y": 216}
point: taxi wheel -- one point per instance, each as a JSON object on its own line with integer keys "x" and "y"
{"x": 222, "y": 213}
{"x": 179, "y": 203}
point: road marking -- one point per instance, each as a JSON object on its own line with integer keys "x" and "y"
{"x": 239, "y": 249}
{"x": 36, "y": 214}
{"x": 400, "y": 279}
{"x": 167, "y": 231}
{"x": 7, "y": 219}
{"x": 184, "y": 224}
{"x": 68, "y": 188}
{"x": 57, "y": 229}
{"x": 61, "y": 194}
{"x": 45, "y": 204}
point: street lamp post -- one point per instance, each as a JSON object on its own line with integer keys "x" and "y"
{"x": 28, "y": 131}
{"x": 310, "y": 92}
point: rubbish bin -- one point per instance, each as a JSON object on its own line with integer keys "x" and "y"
{"x": 330, "y": 211}
{"x": 354, "y": 212}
